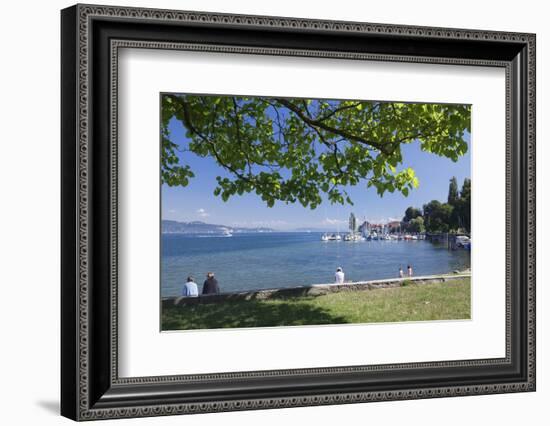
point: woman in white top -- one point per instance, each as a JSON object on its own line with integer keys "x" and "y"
{"x": 190, "y": 288}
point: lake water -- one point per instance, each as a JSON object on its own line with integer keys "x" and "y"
{"x": 272, "y": 260}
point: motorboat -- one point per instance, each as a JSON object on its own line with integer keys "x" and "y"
{"x": 331, "y": 237}
{"x": 464, "y": 242}
{"x": 353, "y": 237}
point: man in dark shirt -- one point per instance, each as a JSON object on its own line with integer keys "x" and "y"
{"x": 210, "y": 286}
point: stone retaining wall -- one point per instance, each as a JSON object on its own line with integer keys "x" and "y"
{"x": 310, "y": 291}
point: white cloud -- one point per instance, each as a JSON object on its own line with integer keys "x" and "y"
{"x": 394, "y": 219}
{"x": 383, "y": 220}
{"x": 328, "y": 221}
{"x": 202, "y": 213}
{"x": 261, "y": 224}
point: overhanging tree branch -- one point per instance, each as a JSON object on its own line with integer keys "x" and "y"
{"x": 320, "y": 124}
{"x": 270, "y": 146}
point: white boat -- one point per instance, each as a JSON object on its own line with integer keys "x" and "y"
{"x": 462, "y": 241}
{"x": 331, "y": 237}
{"x": 227, "y": 233}
{"x": 353, "y": 237}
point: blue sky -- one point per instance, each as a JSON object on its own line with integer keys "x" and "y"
{"x": 197, "y": 202}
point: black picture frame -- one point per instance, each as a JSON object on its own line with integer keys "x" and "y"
{"x": 90, "y": 386}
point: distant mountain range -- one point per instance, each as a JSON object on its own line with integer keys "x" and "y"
{"x": 198, "y": 227}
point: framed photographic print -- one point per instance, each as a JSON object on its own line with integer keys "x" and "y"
{"x": 263, "y": 212}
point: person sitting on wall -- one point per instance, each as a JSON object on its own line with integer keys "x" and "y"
{"x": 210, "y": 285}
{"x": 190, "y": 288}
{"x": 339, "y": 276}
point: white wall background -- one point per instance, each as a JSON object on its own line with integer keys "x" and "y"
{"x": 29, "y": 211}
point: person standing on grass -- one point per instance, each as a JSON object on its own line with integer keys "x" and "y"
{"x": 190, "y": 288}
{"x": 409, "y": 270}
{"x": 210, "y": 286}
{"x": 400, "y": 272}
{"x": 339, "y": 276}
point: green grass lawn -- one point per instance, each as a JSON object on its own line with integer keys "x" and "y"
{"x": 411, "y": 302}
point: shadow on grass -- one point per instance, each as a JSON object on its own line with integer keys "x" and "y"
{"x": 249, "y": 313}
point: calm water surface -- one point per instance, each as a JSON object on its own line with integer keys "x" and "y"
{"x": 271, "y": 260}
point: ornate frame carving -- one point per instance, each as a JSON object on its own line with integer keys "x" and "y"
{"x": 91, "y": 388}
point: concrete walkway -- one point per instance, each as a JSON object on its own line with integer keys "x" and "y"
{"x": 311, "y": 290}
